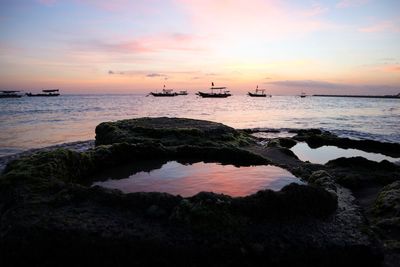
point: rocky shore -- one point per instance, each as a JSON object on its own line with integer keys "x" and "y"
{"x": 347, "y": 214}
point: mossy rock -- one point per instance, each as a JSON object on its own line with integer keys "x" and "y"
{"x": 48, "y": 212}
{"x": 322, "y": 178}
{"x": 358, "y": 172}
{"x": 169, "y": 132}
{"x": 387, "y": 203}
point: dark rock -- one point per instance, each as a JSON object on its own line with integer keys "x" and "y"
{"x": 358, "y": 172}
{"x": 387, "y": 203}
{"x": 324, "y": 179}
{"x": 168, "y": 131}
{"x": 50, "y": 216}
{"x": 362, "y": 163}
{"x": 288, "y": 152}
{"x": 304, "y": 132}
{"x": 282, "y": 142}
{"x": 267, "y": 204}
{"x": 287, "y": 142}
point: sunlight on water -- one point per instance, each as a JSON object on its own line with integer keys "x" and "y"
{"x": 38, "y": 122}
{"x": 187, "y": 180}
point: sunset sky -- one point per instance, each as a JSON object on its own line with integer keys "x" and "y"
{"x": 123, "y": 46}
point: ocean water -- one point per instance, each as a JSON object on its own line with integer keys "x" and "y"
{"x": 27, "y": 123}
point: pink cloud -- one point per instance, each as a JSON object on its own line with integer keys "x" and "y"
{"x": 259, "y": 19}
{"x": 382, "y": 26}
{"x": 391, "y": 68}
{"x": 315, "y": 10}
{"x": 146, "y": 44}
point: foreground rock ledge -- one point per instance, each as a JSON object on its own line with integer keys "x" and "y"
{"x": 50, "y": 217}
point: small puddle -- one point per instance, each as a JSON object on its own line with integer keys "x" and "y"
{"x": 187, "y": 180}
{"x": 324, "y": 154}
{"x": 271, "y": 135}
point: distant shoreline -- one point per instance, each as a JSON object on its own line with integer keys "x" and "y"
{"x": 363, "y": 96}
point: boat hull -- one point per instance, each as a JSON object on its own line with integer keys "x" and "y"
{"x": 10, "y": 96}
{"x": 213, "y": 95}
{"x": 45, "y": 95}
{"x": 162, "y": 95}
{"x": 256, "y": 95}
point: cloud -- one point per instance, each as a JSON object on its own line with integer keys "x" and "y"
{"x": 259, "y": 19}
{"x": 351, "y": 3}
{"x": 152, "y": 75}
{"x": 388, "y": 59}
{"x": 120, "y": 6}
{"x": 339, "y": 88}
{"x": 315, "y": 10}
{"x": 116, "y": 72}
{"x": 382, "y": 26}
{"x": 391, "y": 68}
{"x": 307, "y": 84}
{"x": 145, "y": 44}
{"x": 47, "y": 2}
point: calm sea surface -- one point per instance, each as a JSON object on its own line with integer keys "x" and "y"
{"x": 38, "y": 122}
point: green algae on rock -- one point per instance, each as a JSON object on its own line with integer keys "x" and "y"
{"x": 358, "y": 172}
{"x": 47, "y": 213}
{"x": 168, "y": 131}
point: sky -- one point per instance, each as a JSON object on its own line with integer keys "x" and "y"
{"x": 124, "y": 46}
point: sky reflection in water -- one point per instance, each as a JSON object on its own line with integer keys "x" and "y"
{"x": 324, "y": 154}
{"x": 188, "y": 180}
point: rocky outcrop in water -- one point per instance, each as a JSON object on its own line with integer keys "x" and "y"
{"x": 50, "y": 216}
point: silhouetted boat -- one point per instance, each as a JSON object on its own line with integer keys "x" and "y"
{"x": 164, "y": 93}
{"x": 9, "y": 94}
{"x": 221, "y": 94}
{"x": 302, "y": 95}
{"x": 48, "y": 92}
{"x": 182, "y": 93}
{"x": 258, "y": 93}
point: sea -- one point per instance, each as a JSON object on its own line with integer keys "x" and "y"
{"x": 35, "y": 122}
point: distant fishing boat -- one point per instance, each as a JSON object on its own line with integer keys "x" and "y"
{"x": 48, "y": 92}
{"x": 302, "y": 95}
{"x": 182, "y": 93}
{"x": 258, "y": 93}
{"x": 9, "y": 94}
{"x": 164, "y": 93}
{"x": 222, "y": 93}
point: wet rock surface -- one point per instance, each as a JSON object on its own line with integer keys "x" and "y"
{"x": 49, "y": 216}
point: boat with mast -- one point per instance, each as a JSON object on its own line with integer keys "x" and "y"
{"x": 221, "y": 92}
{"x": 9, "y": 94}
{"x": 303, "y": 95}
{"x": 258, "y": 93}
{"x": 48, "y": 92}
{"x": 164, "y": 93}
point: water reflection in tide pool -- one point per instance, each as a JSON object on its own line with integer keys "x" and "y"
{"x": 187, "y": 180}
{"x": 324, "y": 154}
